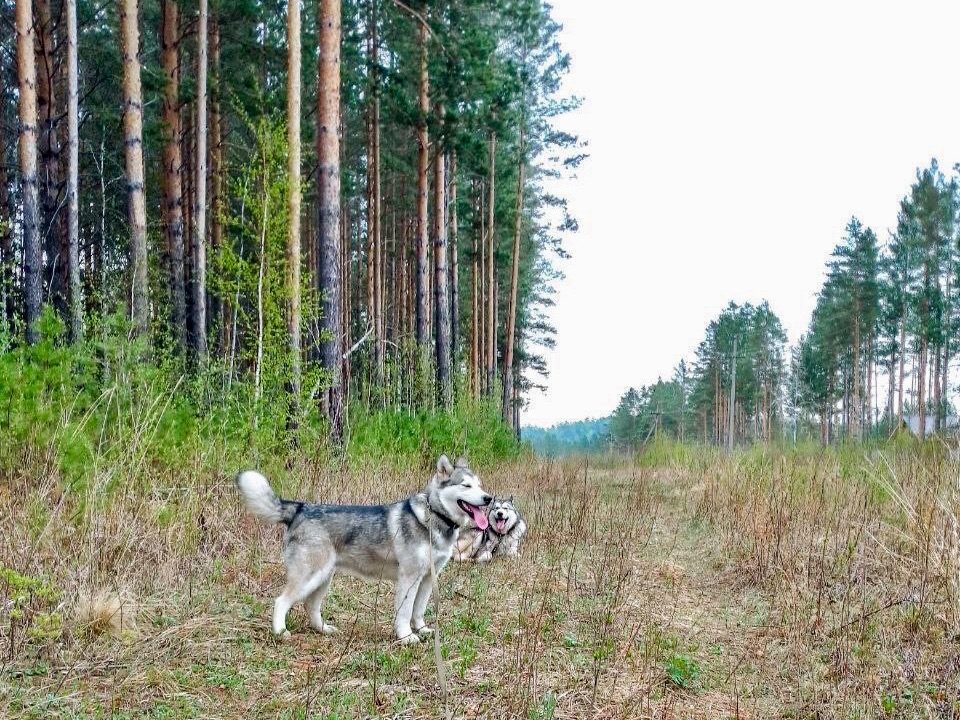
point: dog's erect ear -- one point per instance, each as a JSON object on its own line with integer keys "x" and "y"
{"x": 510, "y": 499}
{"x": 444, "y": 468}
{"x": 462, "y": 462}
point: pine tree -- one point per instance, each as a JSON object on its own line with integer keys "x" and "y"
{"x": 32, "y": 256}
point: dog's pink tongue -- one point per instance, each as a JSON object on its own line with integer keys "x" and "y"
{"x": 478, "y": 517}
{"x": 501, "y": 524}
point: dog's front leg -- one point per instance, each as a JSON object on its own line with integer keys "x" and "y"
{"x": 420, "y": 606}
{"x": 408, "y": 584}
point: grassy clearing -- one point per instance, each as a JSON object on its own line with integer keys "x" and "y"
{"x": 687, "y": 584}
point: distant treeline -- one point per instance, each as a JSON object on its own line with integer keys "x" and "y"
{"x": 569, "y": 437}
{"x": 876, "y": 356}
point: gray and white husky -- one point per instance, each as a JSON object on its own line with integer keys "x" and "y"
{"x": 505, "y": 530}
{"x": 394, "y": 542}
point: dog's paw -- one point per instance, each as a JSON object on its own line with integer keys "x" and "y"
{"x": 424, "y": 631}
{"x": 485, "y": 556}
{"x": 284, "y": 636}
{"x": 410, "y": 639}
{"x": 326, "y": 629}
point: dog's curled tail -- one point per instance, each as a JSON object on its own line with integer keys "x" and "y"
{"x": 262, "y": 501}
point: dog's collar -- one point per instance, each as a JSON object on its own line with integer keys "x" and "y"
{"x": 450, "y": 523}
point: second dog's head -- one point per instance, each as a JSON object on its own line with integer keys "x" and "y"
{"x": 458, "y": 491}
{"x": 503, "y": 516}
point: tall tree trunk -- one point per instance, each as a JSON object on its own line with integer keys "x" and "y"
{"x": 328, "y": 202}
{"x": 293, "y": 208}
{"x": 943, "y": 390}
{"x": 49, "y": 109}
{"x": 200, "y": 194}
{"x": 172, "y": 179}
{"x": 903, "y": 355}
{"x": 921, "y": 387}
{"x": 935, "y": 390}
{"x": 855, "y": 427}
{"x": 491, "y": 323}
{"x": 6, "y": 234}
{"x": 924, "y": 348}
{"x": 375, "y": 263}
{"x": 423, "y": 167}
{"x": 475, "y": 303}
{"x": 510, "y": 338}
{"x": 891, "y": 386}
{"x": 216, "y": 317}
{"x": 870, "y": 371}
{"x": 73, "y": 172}
{"x": 441, "y": 277}
{"x": 482, "y": 292}
{"x": 32, "y": 255}
{"x": 133, "y": 150}
{"x": 188, "y": 178}
{"x": 454, "y": 240}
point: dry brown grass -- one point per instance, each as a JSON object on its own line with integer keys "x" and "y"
{"x": 764, "y": 585}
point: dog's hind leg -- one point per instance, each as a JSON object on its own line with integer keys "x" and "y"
{"x": 420, "y": 605}
{"x": 302, "y": 581}
{"x": 408, "y": 584}
{"x": 314, "y": 601}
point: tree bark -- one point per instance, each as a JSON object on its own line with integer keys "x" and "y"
{"x": 172, "y": 179}
{"x": 491, "y": 323}
{"x": 328, "y": 215}
{"x": 6, "y": 235}
{"x": 32, "y": 256}
{"x": 423, "y": 229}
{"x": 49, "y": 109}
{"x": 200, "y": 193}
{"x": 441, "y": 278}
{"x": 293, "y": 208}
{"x": 375, "y": 262}
{"x": 855, "y": 428}
{"x": 481, "y": 310}
{"x": 475, "y": 302}
{"x": 453, "y": 236}
{"x": 133, "y": 146}
{"x": 510, "y": 339}
{"x": 903, "y": 355}
{"x": 73, "y": 172}
{"x": 215, "y": 311}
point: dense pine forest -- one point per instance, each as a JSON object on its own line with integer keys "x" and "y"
{"x": 334, "y": 212}
{"x": 875, "y": 359}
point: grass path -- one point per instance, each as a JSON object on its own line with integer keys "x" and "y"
{"x": 626, "y": 603}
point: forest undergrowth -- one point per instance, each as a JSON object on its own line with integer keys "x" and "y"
{"x": 684, "y": 582}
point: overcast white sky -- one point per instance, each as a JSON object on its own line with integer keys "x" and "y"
{"x": 730, "y": 142}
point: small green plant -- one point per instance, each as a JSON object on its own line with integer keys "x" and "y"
{"x": 545, "y": 708}
{"x": 682, "y": 670}
{"x": 31, "y": 609}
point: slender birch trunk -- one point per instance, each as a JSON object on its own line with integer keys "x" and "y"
{"x": 216, "y": 313}
{"x": 200, "y": 193}
{"x": 73, "y": 172}
{"x": 441, "y": 279}
{"x": 133, "y": 146}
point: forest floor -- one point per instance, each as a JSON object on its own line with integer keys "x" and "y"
{"x": 757, "y": 587}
